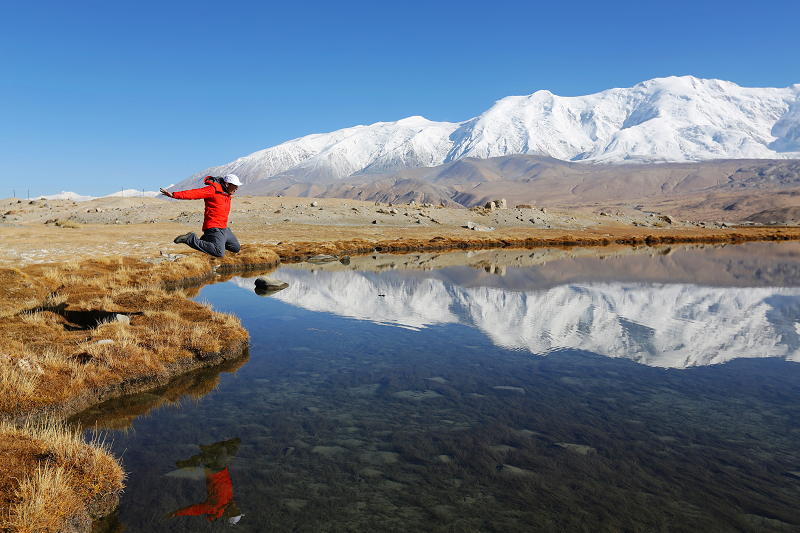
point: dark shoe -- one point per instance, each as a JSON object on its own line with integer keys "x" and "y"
{"x": 181, "y": 239}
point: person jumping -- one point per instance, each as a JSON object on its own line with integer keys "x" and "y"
{"x": 217, "y": 237}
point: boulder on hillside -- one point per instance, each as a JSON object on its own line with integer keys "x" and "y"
{"x": 478, "y": 227}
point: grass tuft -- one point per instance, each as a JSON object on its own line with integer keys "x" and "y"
{"x": 67, "y": 223}
{"x": 65, "y": 476}
{"x": 46, "y": 501}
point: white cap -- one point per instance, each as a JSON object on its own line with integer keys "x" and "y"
{"x": 233, "y": 179}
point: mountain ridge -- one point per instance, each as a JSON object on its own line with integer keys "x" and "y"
{"x": 660, "y": 121}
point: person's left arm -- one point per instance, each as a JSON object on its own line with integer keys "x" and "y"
{"x": 194, "y": 194}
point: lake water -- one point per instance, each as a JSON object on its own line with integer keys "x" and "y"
{"x": 648, "y": 389}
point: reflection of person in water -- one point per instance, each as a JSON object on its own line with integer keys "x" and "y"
{"x": 219, "y": 504}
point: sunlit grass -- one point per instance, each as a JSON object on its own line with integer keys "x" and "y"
{"x": 70, "y": 474}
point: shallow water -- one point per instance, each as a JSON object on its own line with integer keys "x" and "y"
{"x": 578, "y": 394}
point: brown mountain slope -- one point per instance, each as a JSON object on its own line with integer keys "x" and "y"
{"x": 730, "y": 190}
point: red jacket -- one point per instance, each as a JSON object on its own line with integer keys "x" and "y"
{"x": 219, "y": 494}
{"x": 218, "y": 203}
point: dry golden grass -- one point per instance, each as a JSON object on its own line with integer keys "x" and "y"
{"x": 66, "y": 223}
{"x": 61, "y": 337}
{"x": 52, "y": 475}
{"x": 22, "y": 382}
{"x": 110, "y": 260}
{"x": 46, "y": 501}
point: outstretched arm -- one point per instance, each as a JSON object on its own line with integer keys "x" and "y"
{"x": 191, "y": 194}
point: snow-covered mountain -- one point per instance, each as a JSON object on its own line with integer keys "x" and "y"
{"x": 127, "y": 193}
{"x": 666, "y": 325}
{"x": 676, "y": 119}
{"x": 378, "y": 149}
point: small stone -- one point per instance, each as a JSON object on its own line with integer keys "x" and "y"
{"x": 501, "y": 204}
{"x": 544, "y": 210}
{"x": 29, "y": 366}
{"x": 122, "y": 319}
{"x": 510, "y": 388}
{"x": 577, "y": 448}
{"x": 267, "y": 282}
{"x": 321, "y": 258}
{"x": 314, "y": 204}
{"x": 491, "y": 206}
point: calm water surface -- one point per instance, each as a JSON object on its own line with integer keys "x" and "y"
{"x": 506, "y": 391}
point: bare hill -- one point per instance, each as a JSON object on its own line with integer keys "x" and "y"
{"x": 730, "y": 190}
{"x": 779, "y": 215}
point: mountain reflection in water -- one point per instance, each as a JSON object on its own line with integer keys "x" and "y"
{"x": 671, "y": 325}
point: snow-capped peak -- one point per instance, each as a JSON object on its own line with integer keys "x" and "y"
{"x": 674, "y": 119}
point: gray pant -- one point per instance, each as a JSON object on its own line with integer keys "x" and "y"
{"x": 215, "y": 241}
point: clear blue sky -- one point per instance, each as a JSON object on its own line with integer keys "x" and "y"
{"x": 102, "y": 95}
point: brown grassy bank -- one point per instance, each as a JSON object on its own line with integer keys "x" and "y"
{"x": 78, "y": 333}
{"x": 52, "y": 480}
{"x": 302, "y": 250}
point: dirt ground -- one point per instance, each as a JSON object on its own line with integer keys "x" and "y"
{"x": 144, "y": 228}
